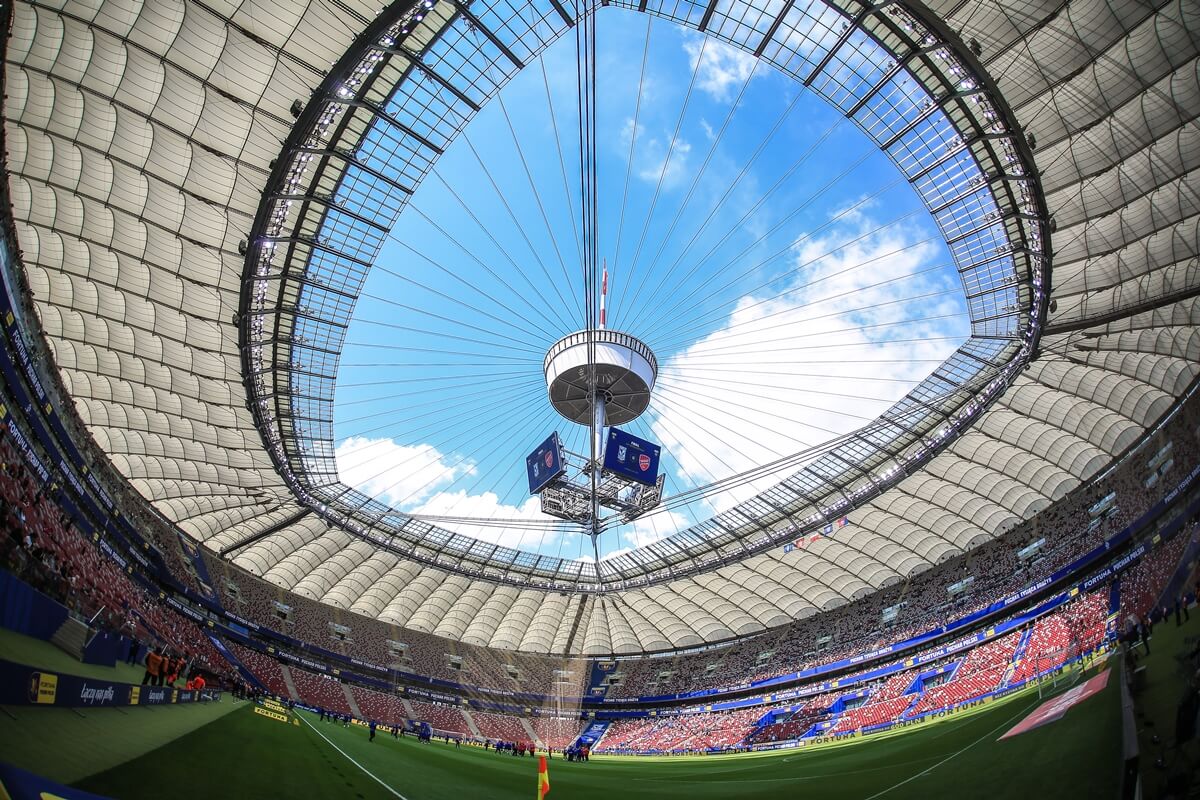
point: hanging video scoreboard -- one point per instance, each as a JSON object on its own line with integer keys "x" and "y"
{"x": 630, "y": 457}
{"x": 545, "y": 464}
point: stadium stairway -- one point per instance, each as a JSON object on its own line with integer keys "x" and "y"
{"x": 533, "y": 737}
{"x": 471, "y": 726}
{"x": 287, "y": 680}
{"x": 71, "y": 637}
{"x": 352, "y": 702}
{"x": 1018, "y": 654}
{"x": 409, "y": 712}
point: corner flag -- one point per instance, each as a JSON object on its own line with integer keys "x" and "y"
{"x": 543, "y": 778}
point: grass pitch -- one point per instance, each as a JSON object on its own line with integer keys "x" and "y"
{"x": 247, "y": 755}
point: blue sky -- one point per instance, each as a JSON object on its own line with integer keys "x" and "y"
{"x": 790, "y": 285}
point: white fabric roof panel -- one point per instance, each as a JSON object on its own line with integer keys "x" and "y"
{"x": 552, "y": 624}
{"x": 377, "y": 595}
{"x": 596, "y": 639}
{"x": 404, "y": 605}
{"x": 482, "y": 628}
{"x": 262, "y": 556}
{"x": 450, "y": 600}
{"x": 455, "y": 624}
{"x": 517, "y": 630}
{"x": 140, "y": 138}
{"x": 358, "y": 578}
{"x": 630, "y": 633}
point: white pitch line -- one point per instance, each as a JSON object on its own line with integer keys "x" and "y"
{"x": 372, "y": 775}
{"x": 927, "y": 770}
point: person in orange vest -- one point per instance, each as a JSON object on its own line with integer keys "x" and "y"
{"x": 191, "y": 684}
{"x": 154, "y": 662}
{"x": 198, "y": 683}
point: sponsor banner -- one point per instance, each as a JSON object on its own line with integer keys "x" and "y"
{"x": 425, "y": 694}
{"x": 1116, "y": 567}
{"x": 112, "y": 553}
{"x": 26, "y": 447}
{"x": 99, "y": 492}
{"x": 137, "y": 556}
{"x": 1054, "y": 709}
{"x": 35, "y": 381}
{"x": 68, "y": 472}
{"x": 245, "y": 623}
{"x": 1183, "y": 485}
{"x": 307, "y": 663}
{"x": 186, "y": 610}
{"x": 43, "y": 688}
{"x": 24, "y": 685}
{"x": 367, "y": 665}
{"x": 270, "y": 714}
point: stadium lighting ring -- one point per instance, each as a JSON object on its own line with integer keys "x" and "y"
{"x": 627, "y": 370}
{"x": 359, "y": 149}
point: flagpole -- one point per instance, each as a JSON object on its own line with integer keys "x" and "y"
{"x": 543, "y": 787}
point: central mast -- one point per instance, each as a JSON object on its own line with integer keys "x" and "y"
{"x": 585, "y": 49}
{"x": 596, "y": 377}
{"x": 599, "y": 405}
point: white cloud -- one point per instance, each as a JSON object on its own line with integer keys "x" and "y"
{"x": 658, "y": 160}
{"x": 413, "y": 478}
{"x": 719, "y": 67}
{"x": 487, "y": 506}
{"x": 743, "y": 395}
{"x": 654, "y": 157}
{"x": 397, "y": 474}
{"x": 652, "y": 527}
{"x": 627, "y": 132}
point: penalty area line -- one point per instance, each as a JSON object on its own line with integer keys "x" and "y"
{"x": 370, "y": 774}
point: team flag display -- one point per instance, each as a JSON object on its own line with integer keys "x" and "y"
{"x": 799, "y": 544}
{"x": 543, "y": 778}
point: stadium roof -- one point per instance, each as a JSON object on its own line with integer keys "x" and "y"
{"x": 148, "y": 143}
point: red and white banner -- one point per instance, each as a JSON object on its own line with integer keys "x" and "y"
{"x": 1054, "y": 709}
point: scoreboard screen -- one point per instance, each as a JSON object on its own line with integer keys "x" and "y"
{"x": 630, "y": 457}
{"x": 545, "y": 464}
